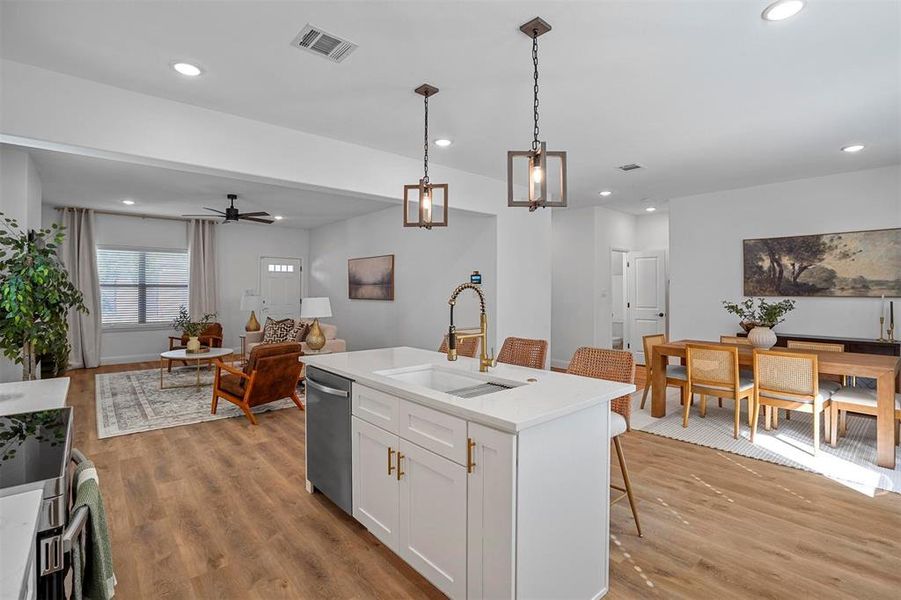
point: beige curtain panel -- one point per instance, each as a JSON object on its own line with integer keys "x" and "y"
{"x": 202, "y": 291}
{"x": 79, "y": 256}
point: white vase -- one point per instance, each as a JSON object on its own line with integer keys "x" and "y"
{"x": 193, "y": 344}
{"x": 762, "y": 337}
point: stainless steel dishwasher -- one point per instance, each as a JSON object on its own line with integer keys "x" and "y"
{"x": 328, "y": 436}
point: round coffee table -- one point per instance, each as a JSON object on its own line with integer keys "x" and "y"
{"x": 186, "y": 356}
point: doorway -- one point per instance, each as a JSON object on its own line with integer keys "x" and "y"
{"x": 280, "y": 290}
{"x": 618, "y": 311}
{"x": 646, "y": 298}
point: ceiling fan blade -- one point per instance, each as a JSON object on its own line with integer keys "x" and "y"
{"x": 214, "y": 210}
{"x": 255, "y": 214}
{"x": 256, "y": 220}
{"x": 202, "y": 216}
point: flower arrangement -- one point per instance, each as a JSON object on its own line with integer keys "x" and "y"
{"x": 758, "y": 312}
{"x": 189, "y": 327}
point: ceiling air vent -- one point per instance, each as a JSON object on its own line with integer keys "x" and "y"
{"x": 630, "y": 167}
{"x": 313, "y": 39}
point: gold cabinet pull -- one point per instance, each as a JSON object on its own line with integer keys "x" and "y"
{"x": 390, "y": 455}
{"x": 470, "y": 446}
{"x": 400, "y": 468}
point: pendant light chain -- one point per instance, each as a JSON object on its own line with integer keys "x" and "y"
{"x": 535, "y": 90}
{"x": 425, "y": 143}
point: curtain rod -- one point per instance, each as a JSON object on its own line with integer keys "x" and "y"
{"x": 136, "y": 215}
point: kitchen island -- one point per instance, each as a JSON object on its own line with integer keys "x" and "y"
{"x": 492, "y": 485}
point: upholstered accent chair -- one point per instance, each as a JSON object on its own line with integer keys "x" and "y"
{"x": 211, "y": 337}
{"x": 465, "y": 347}
{"x": 612, "y": 365}
{"x": 523, "y": 352}
{"x": 270, "y": 374}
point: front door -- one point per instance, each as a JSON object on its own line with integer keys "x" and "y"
{"x": 279, "y": 287}
{"x": 646, "y": 298}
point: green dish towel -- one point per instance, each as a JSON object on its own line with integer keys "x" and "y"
{"x": 93, "y": 577}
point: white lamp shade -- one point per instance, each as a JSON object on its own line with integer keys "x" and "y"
{"x": 250, "y": 302}
{"x": 315, "y": 308}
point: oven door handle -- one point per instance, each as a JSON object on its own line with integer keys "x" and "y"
{"x": 75, "y": 527}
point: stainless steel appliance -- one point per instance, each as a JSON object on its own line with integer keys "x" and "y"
{"x": 35, "y": 450}
{"x": 329, "y": 437}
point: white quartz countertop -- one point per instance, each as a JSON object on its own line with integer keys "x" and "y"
{"x": 551, "y": 395}
{"x": 29, "y": 396}
{"x": 18, "y": 524}
{"x": 19, "y": 513}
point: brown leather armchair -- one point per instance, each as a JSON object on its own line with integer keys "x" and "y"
{"x": 211, "y": 337}
{"x": 270, "y": 374}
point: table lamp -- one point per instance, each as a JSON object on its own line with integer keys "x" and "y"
{"x": 315, "y": 308}
{"x": 251, "y": 302}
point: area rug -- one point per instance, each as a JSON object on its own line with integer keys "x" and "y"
{"x": 132, "y": 401}
{"x": 852, "y": 463}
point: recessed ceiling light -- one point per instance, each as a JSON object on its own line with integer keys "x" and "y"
{"x": 128, "y": 202}
{"x": 782, "y": 9}
{"x": 187, "y": 69}
{"x": 278, "y": 217}
{"x": 650, "y": 209}
{"x": 443, "y": 142}
{"x": 606, "y": 193}
{"x": 853, "y": 148}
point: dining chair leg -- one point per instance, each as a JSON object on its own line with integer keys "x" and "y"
{"x": 719, "y": 402}
{"x": 737, "y": 417}
{"x": 628, "y": 482}
{"x": 647, "y": 387}
{"x": 755, "y": 413}
{"x": 827, "y": 428}
{"x": 833, "y": 426}
{"x": 816, "y": 432}
{"x": 788, "y": 415}
{"x": 843, "y": 415}
{"x": 767, "y": 420}
{"x": 703, "y": 406}
{"x": 774, "y": 418}
{"x": 686, "y": 406}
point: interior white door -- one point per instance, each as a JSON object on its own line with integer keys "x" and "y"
{"x": 375, "y": 485}
{"x": 491, "y": 544}
{"x": 433, "y": 518}
{"x": 646, "y": 303}
{"x": 280, "y": 287}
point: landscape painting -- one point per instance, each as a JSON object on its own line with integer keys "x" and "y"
{"x": 371, "y": 278}
{"x": 852, "y": 264}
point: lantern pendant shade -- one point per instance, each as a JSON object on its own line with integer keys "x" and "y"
{"x": 425, "y": 203}
{"x": 536, "y": 179}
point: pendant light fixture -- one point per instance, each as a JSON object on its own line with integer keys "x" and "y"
{"x": 425, "y": 200}
{"x": 536, "y": 178}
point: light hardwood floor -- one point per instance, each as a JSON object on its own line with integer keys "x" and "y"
{"x": 218, "y": 510}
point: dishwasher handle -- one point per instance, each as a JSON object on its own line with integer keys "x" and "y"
{"x": 326, "y": 389}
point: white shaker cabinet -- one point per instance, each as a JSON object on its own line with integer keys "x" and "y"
{"x": 375, "y": 492}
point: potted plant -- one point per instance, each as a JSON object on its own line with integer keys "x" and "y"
{"x": 190, "y": 328}
{"x": 759, "y": 317}
{"x": 35, "y": 296}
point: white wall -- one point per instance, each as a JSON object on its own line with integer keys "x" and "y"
{"x": 238, "y": 252}
{"x": 652, "y": 232}
{"x": 428, "y": 266}
{"x": 49, "y": 109}
{"x": 20, "y": 199}
{"x": 706, "y": 233}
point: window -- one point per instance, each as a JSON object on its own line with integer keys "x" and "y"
{"x": 281, "y": 268}
{"x": 141, "y": 286}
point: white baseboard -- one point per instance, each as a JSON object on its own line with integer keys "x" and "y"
{"x": 128, "y": 358}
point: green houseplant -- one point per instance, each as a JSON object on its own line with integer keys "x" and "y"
{"x": 758, "y": 317}
{"x": 191, "y": 328}
{"x": 35, "y": 296}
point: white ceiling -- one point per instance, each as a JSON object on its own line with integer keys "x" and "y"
{"x": 74, "y": 180}
{"x": 704, "y": 93}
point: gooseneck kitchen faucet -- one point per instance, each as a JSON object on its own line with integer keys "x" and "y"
{"x": 453, "y": 336}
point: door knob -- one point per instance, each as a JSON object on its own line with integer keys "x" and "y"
{"x": 659, "y": 314}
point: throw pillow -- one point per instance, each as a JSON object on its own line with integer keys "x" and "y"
{"x": 303, "y": 328}
{"x": 279, "y": 331}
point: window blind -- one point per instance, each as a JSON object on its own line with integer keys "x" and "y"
{"x": 140, "y": 286}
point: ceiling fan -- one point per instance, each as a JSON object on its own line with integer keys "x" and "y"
{"x": 233, "y": 214}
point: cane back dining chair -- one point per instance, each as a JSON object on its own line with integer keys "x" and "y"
{"x": 789, "y": 380}
{"x": 465, "y": 347}
{"x": 859, "y": 401}
{"x": 675, "y": 374}
{"x": 523, "y": 352}
{"x": 613, "y": 365}
{"x": 270, "y": 374}
{"x": 713, "y": 371}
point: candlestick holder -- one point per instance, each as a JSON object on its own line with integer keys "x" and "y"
{"x": 891, "y": 333}
{"x": 881, "y": 329}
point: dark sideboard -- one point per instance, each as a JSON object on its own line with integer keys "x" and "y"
{"x": 861, "y": 345}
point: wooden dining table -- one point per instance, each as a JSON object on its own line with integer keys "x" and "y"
{"x": 886, "y": 370}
